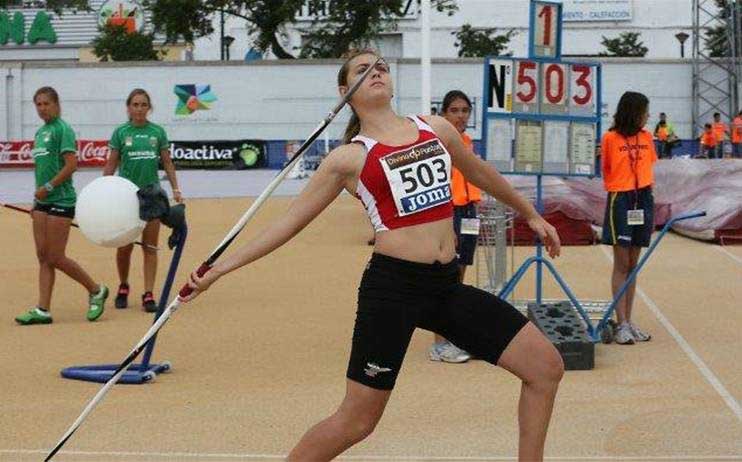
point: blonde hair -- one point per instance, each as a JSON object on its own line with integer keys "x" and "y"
{"x": 354, "y": 124}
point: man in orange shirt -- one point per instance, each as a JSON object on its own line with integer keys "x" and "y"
{"x": 628, "y": 157}
{"x": 737, "y": 136}
{"x": 709, "y": 142}
{"x": 456, "y": 109}
{"x": 722, "y": 131}
{"x": 665, "y": 134}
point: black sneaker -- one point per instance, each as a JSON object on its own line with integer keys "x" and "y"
{"x": 121, "y": 296}
{"x": 148, "y": 302}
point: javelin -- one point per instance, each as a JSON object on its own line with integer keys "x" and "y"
{"x": 21, "y": 209}
{"x": 205, "y": 266}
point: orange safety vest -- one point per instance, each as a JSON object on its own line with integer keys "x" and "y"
{"x": 737, "y": 130}
{"x": 720, "y": 129}
{"x": 627, "y": 162}
{"x": 463, "y": 191}
{"x": 709, "y": 138}
{"x": 662, "y": 133}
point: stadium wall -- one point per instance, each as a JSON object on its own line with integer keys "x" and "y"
{"x": 279, "y": 101}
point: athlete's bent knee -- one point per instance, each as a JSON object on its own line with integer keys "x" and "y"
{"x": 358, "y": 428}
{"x": 553, "y": 367}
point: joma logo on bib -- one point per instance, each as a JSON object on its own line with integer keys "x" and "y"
{"x": 419, "y": 177}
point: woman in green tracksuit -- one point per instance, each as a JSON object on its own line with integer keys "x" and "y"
{"x": 137, "y": 147}
{"x": 55, "y": 159}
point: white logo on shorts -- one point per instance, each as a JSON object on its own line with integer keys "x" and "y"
{"x": 373, "y": 369}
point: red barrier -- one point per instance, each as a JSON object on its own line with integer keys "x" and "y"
{"x": 92, "y": 153}
{"x": 17, "y": 154}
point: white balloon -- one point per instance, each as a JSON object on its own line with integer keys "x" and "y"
{"x": 107, "y": 211}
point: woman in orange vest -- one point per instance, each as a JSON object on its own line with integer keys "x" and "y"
{"x": 456, "y": 109}
{"x": 628, "y": 158}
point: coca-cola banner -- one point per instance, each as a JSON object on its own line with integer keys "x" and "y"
{"x": 235, "y": 154}
{"x": 91, "y": 153}
{"x": 16, "y": 154}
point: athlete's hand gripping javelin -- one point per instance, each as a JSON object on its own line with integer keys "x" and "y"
{"x": 201, "y": 284}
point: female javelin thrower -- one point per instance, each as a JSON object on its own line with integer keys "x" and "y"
{"x": 400, "y": 169}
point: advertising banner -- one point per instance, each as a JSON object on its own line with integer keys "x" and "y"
{"x": 220, "y": 154}
{"x": 232, "y": 154}
{"x": 92, "y": 153}
{"x": 16, "y": 154}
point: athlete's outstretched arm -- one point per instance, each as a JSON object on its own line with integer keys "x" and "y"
{"x": 324, "y": 186}
{"x": 486, "y": 177}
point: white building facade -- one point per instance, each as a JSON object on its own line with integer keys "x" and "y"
{"x": 284, "y": 99}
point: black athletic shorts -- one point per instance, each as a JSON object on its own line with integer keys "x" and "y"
{"x": 466, "y": 244}
{"x": 616, "y": 229}
{"x": 396, "y": 296}
{"x": 56, "y": 210}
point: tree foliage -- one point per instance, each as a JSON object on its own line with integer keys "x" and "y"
{"x": 474, "y": 43}
{"x": 354, "y": 24}
{"x": 116, "y": 44}
{"x": 627, "y": 44}
{"x": 190, "y": 19}
{"x": 717, "y": 41}
{"x": 347, "y": 23}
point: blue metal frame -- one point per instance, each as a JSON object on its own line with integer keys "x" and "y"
{"x": 531, "y": 29}
{"x": 164, "y": 296}
{"x": 145, "y": 371}
{"x": 543, "y": 117}
{"x": 593, "y": 330}
{"x": 599, "y": 111}
{"x": 485, "y": 104}
{"x": 538, "y": 259}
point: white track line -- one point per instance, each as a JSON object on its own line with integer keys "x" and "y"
{"x": 181, "y": 455}
{"x": 685, "y": 346}
{"x": 728, "y": 254}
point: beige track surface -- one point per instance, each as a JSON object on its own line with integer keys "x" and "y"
{"x": 262, "y": 356}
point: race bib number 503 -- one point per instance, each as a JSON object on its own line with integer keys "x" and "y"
{"x": 419, "y": 176}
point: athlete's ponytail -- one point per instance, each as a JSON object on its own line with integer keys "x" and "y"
{"x": 353, "y": 128}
